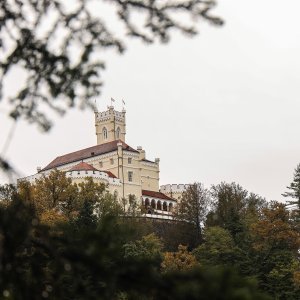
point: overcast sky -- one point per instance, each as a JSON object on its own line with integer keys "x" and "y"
{"x": 223, "y": 106}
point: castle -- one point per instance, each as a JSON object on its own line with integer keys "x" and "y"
{"x": 123, "y": 169}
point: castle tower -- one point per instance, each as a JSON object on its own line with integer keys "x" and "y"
{"x": 110, "y": 125}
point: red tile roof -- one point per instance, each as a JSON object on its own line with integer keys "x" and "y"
{"x": 156, "y": 195}
{"x": 110, "y": 174}
{"x": 83, "y": 166}
{"x": 87, "y": 153}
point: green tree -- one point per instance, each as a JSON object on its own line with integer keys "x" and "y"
{"x": 37, "y": 262}
{"x": 193, "y": 207}
{"x": 294, "y": 190}
{"x": 217, "y": 249}
{"x": 229, "y": 201}
{"x": 149, "y": 247}
{"x": 86, "y": 217}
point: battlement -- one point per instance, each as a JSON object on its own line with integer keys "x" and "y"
{"x": 173, "y": 188}
{"x": 105, "y": 115}
{"x": 96, "y": 175}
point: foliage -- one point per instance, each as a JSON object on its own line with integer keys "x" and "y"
{"x": 52, "y": 191}
{"x": 294, "y": 189}
{"x": 103, "y": 202}
{"x": 182, "y": 260}
{"x": 148, "y": 248}
{"x": 40, "y": 36}
{"x": 217, "y": 248}
{"x": 229, "y": 201}
{"x": 274, "y": 230}
{"x": 193, "y": 207}
{"x": 209, "y": 284}
{"x": 275, "y": 246}
{"x": 7, "y": 192}
{"x": 95, "y": 251}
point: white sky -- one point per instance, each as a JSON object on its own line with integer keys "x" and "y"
{"x": 223, "y": 106}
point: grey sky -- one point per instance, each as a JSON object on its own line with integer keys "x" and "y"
{"x": 222, "y": 106}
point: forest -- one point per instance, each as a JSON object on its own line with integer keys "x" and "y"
{"x": 60, "y": 240}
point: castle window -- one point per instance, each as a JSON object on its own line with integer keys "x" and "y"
{"x": 147, "y": 202}
{"x": 130, "y": 176}
{"x": 118, "y": 133}
{"x": 158, "y": 205}
{"x": 104, "y": 131}
{"x": 111, "y": 161}
{"x": 100, "y": 164}
{"x": 165, "y": 206}
{"x": 153, "y": 204}
{"x": 129, "y": 160}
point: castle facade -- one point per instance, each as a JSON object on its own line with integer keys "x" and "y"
{"x": 124, "y": 169}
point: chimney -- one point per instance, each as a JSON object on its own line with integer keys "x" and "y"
{"x": 39, "y": 169}
{"x": 142, "y": 153}
{"x": 157, "y": 160}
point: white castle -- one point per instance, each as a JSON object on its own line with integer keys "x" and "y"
{"x": 123, "y": 169}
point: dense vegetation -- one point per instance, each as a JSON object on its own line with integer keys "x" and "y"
{"x": 60, "y": 240}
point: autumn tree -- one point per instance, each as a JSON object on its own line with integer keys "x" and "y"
{"x": 52, "y": 192}
{"x": 182, "y": 260}
{"x": 37, "y": 263}
{"x": 275, "y": 245}
{"x": 193, "y": 207}
{"x": 7, "y": 192}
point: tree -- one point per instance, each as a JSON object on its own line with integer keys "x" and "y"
{"x": 51, "y": 192}
{"x": 182, "y": 260}
{"x": 147, "y": 248}
{"x": 193, "y": 207}
{"x": 217, "y": 248}
{"x": 7, "y": 192}
{"x": 37, "y": 262}
{"x": 275, "y": 244}
{"x": 294, "y": 189}
{"x": 229, "y": 201}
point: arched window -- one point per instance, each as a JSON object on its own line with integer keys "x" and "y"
{"x": 170, "y": 207}
{"x": 118, "y": 131}
{"x": 147, "y": 203}
{"x": 153, "y": 204}
{"x": 104, "y": 131}
{"x": 158, "y": 205}
{"x": 165, "y": 206}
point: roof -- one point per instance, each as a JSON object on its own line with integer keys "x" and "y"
{"x": 83, "y": 166}
{"x": 87, "y": 153}
{"x": 149, "y": 161}
{"x": 110, "y": 174}
{"x": 156, "y": 195}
